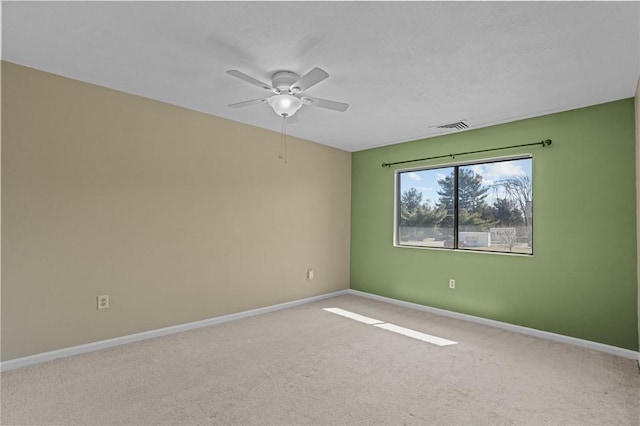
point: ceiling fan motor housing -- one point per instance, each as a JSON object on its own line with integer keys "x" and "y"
{"x": 282, "y": 80}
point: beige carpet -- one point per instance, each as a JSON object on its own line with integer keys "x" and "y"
{"x": 307, "y": 366}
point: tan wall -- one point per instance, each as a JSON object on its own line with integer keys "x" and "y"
{"x": 178, "y": 216}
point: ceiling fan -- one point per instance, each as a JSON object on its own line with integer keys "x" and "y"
{"x": 287, "y": 90}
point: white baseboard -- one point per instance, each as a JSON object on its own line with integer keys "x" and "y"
{"x": 614, "y": 350}
{"x": 104, "y": 344}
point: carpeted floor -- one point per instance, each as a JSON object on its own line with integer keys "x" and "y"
{"x": 307, "y": 366}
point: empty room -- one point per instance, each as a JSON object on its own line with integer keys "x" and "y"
{"x": 320, "y": 213}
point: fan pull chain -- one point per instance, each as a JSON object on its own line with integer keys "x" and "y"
{"x": 283, "y": 150}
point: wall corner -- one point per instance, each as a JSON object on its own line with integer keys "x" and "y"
{"x": 637, "y": 116}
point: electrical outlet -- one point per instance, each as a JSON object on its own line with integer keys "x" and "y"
{"x": 310, "y": 274}
{"x": 103, "y": 302}
{"x": 452, "y": 283}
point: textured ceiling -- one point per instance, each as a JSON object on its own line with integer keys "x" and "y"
{"x": 403, "y": 67}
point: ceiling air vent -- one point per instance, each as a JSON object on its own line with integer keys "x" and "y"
{"x": 452, "y": 127}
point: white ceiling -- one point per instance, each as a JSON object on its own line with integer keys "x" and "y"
{"x": 402, "y": 66}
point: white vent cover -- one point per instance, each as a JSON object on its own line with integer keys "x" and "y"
{"x": 452, "y": 127}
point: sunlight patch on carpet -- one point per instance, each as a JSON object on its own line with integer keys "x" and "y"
{"x": 416, "y": 334}
{"x": 353, "y": 316}
{"x": 439, "y": 341}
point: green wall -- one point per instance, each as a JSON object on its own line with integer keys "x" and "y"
{"x": 581, "y": 280}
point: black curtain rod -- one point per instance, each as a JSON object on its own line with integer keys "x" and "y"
{"x": 543, "y": 143}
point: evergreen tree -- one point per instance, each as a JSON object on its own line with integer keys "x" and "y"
{"x": 473, "y": 211}
{"x": 410, "y": 207}
{"x": 431, "y": 216}
{"x": 413, "y": 212}
{"x": 471, "y": 193}
{"x": 506, "y": 213}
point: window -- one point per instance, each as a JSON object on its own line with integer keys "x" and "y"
{"x": 481, "y": 206}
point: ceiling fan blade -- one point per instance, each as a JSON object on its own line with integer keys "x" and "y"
{"x": 311, "y": 78}
{"x": 324, "y": 103}
{"x": 249, "y": 79}
{"x": 247, "y": 103}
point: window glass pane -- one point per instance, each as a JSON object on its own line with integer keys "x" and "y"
{"x": 495, "y": 206}
{"x": 493, "y": 210}
{"x": 426, "y": 208}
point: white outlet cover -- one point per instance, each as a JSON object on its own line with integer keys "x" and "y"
{"x": 103, "y": 301}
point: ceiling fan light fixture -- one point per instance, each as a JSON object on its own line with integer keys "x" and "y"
{"x": 289, "y": 90}
{"x": 285, "y": 105}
